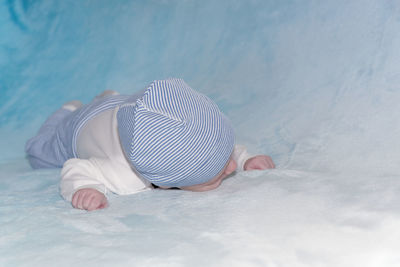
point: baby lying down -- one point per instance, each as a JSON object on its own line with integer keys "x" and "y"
{"x": 166, "y": 136}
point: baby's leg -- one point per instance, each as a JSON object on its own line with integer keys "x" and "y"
{"x": 44, "y": 150}
{"x": 51, "y": 123}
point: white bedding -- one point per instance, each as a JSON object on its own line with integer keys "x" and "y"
{"x": 314, "y": 84}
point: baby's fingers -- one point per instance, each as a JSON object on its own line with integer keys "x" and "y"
{"x": 89, "y": 199}
{"x": 269, "y": 164}
{"x": 96, "y": 202}
{"x": 260, "y": 162}
{"x": 77, "y": 199}
{"x": 264, "y": 162}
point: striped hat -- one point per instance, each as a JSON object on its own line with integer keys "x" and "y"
{"x": 175, "y": 136}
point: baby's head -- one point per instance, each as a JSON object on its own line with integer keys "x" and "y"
{"x": 176, "y": 137}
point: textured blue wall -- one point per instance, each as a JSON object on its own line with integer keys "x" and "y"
{"x": 314, "y": 83}
{"x": 54, "y": 51}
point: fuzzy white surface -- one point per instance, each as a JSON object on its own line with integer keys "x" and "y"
{"x": 315, "y": 84}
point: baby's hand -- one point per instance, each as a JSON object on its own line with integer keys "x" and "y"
{"x": 260, "y": 162}
{"x": 89, "y": 199}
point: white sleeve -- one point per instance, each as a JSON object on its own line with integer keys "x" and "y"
{"x": 80, "y": 173}
{"x": 240, "y": 155}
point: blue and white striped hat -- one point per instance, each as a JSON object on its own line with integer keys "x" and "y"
{"x": 175, "y": 136}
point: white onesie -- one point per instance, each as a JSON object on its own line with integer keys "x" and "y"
{"x": 102, "y": 165}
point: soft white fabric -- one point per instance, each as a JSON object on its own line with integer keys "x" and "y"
{"x": 102, "y": 164}
{"x": 240, "y": 155}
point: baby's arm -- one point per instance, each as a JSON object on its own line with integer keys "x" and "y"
{"x": 247, "y": 162}
{"x": 81, "y": 184}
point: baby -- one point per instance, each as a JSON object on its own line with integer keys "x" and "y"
{"x": 166, "y": 136}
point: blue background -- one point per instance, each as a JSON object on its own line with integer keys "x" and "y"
{"x": 314, "y": 84}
